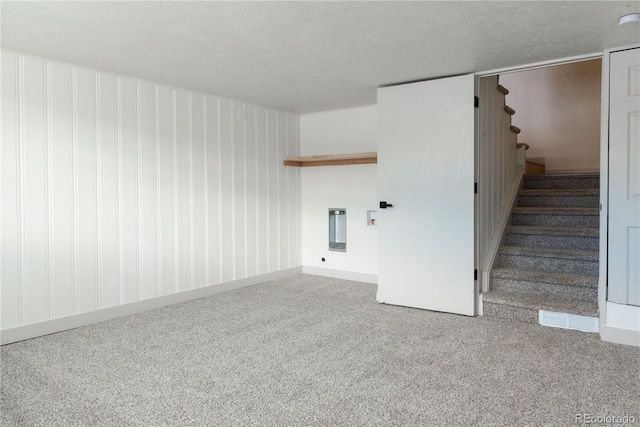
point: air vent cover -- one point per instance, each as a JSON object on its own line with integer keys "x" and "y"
{"x": 569, "y": 321}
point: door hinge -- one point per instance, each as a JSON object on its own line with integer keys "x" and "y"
{"x": 476, "y": 101}
{"x": 475, "y": 274}
{"x": 475, "y": 188}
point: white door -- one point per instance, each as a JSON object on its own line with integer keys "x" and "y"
{"x": 426, "y": 171}
{"x": 624, "y": 177}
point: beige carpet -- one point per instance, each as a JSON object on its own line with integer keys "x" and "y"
{"x": 313, "y": 351}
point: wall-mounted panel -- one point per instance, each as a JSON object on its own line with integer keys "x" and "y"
{"x": 198, "y": 196}
{"x": 108, "y": 193}
{"x": 227, "y": 219}
{"x": 85, "y": 189}
{"x": 238, "y": 132}
{"x": 262, "y": 168}
{"x": 183, "y": 191}
{"x": 128, "y": 188}
{"x": 273, "y": 158}
{"x": 251, "y": 204}
{"x": 33, "y": 168}
{"x": 61, "y": 198}
{"x": 147, "y": 189}
{"x": 212, "y": 204}
{"x": 10, "y": 203}
{"x": 116, "y": 190}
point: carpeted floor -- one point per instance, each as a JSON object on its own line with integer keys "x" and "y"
{"x": 309, "y": 350}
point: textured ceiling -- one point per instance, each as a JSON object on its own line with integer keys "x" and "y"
{"x": 309, "y": 56}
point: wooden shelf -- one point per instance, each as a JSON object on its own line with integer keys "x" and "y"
{"x": 333, "y": 159}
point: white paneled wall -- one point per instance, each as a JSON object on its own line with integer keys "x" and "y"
{"x": 116, "y": 190}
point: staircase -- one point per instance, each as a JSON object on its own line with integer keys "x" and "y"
{"x": 549, "y": 258}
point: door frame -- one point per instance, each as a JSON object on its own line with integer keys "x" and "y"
{"x": 604, "y": 161}
{"x": 620, "y": 314}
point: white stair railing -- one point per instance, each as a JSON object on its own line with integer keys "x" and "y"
{"x": 500, "y": 168}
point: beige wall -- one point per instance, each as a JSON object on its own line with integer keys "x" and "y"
{"x": 558, "y": 110}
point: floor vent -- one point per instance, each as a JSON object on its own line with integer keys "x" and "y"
{"x": 569, "y": 321}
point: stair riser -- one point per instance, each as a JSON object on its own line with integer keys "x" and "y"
{"x": 553, "y": 265}
{"x": 538, "y": 201}
{"x": 510, "y": 313}
{"x": 553, "y": 242}
{"x": 572, "y": 221}
{"x": 545, "y": 290}
{"x": 561, "y": 183}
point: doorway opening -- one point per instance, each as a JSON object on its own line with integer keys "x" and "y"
{"x": 558, "y": 111}
{"x": 538, "y": 237}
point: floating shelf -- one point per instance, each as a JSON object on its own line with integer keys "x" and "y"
{"x": 333, "y": 159}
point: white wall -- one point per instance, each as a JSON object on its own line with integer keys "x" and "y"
{"x": 353, "y": 187}
{"x": 117, "y": 190}
{"x": 558, "y": 110}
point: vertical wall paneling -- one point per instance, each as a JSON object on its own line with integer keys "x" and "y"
{"x": 166, "y": 189}
{"x": 34, "y": 188}
{"x": 183, "y": 172}
{"x": 97, "y": 193}
{"x": 176, "y": 201}
{"x": 85, "y": 246}
{"x": 48, "y": 194}
{"x": 227, "y": 222}
{"x": 278, "y": 178}
{"x": 205, "y": 171}
{"x": 262, "y": 191}
{"x": 294, "y": 195}
{"x": 198, "y": 191}
{"x": 219, "y": 186}
{"x": 74, "y": 186}
{"x": 287, "y": 172}
{"x": 116, "y": 190}
{"x": 148, "y": 209}
{"x": 10, "y": 200}
{"x": 129, "y": 190}
{"x": 109, "y": 180}
{"x": 251, "y": 201}
{"x": 212, "y": 202}
{"x": 283, "y": 219}
{"x": 272, "y": 203}
{"x": 239, "y": 193}
{"x": 139, "y": 196}
{"x": 190, "y": 175}
{"x": 156, "y": 98}
{"x": 22, "y": 189}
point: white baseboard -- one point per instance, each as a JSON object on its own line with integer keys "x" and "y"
{"x": 620, "y": 336}
{"x": 620, "y": 323}
{"x": 341, "y": 274}
{"x": 33, "y": 330}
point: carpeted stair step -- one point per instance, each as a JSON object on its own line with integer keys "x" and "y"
{"x": 549, "y": 260}
{"x": 556, "y": 217}
{"x": 581, "y": 181}
{"x": 539, "y": 284}
{"x": 525, "y": 308}
{"x": 581, "y": 198}
{"x": 586, "y": 239}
